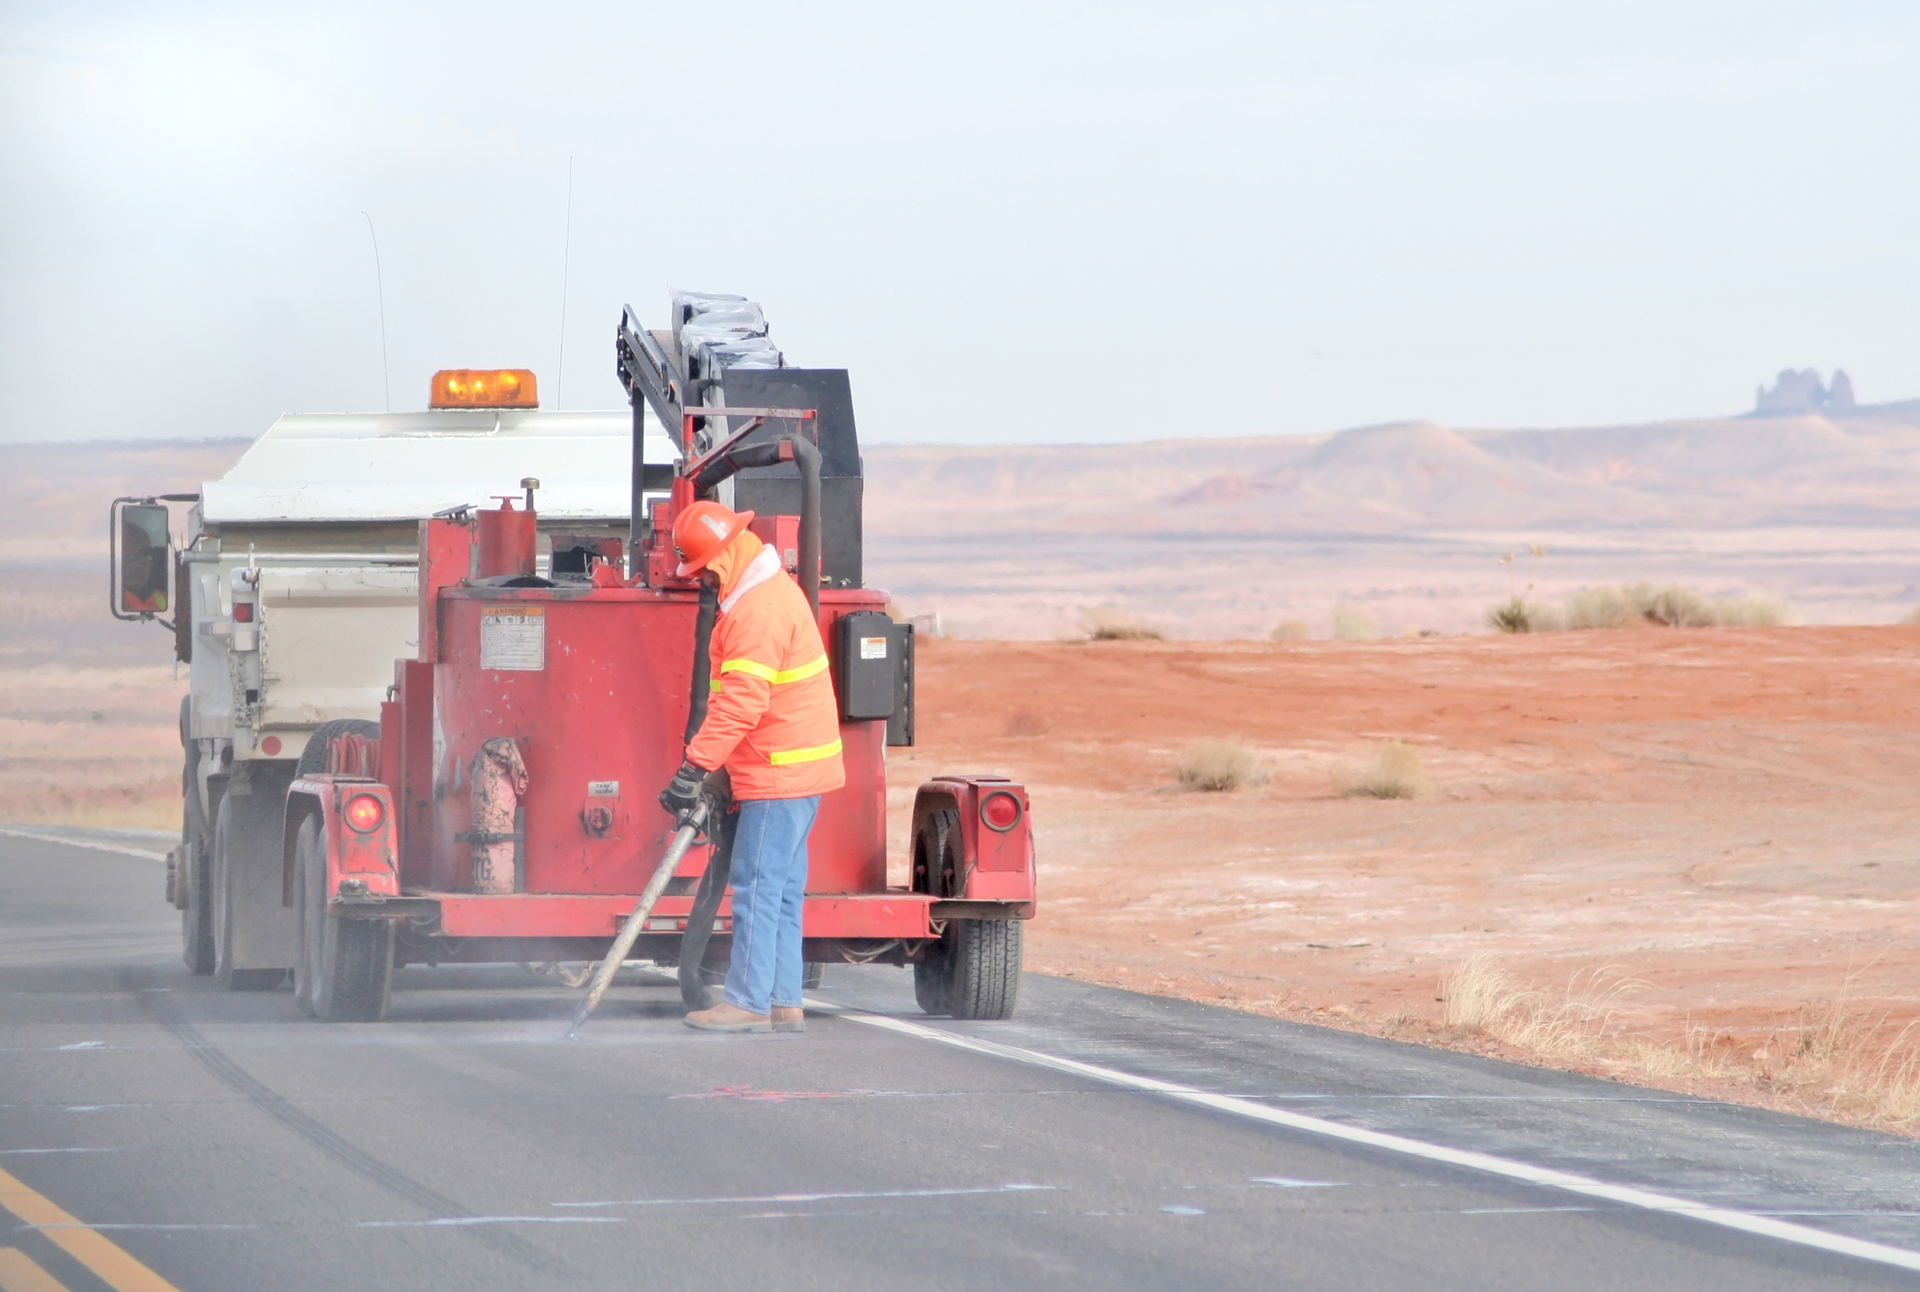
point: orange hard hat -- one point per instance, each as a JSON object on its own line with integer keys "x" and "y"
{"x": 702, "y": 531}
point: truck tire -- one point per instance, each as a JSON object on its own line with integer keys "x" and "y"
{"x": 195, "y": 897}
{"x": 813, "y": 974}
{"x": 343, "y": 969}
{"x": 224, "y": 875}
{"x": 313, "y": 759}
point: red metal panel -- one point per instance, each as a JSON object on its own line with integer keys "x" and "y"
{"x": 606, "y": 710}
{"x": 411, "y": 759}
{"x": 446, "y": 557}
{"x": 538, "y": 915}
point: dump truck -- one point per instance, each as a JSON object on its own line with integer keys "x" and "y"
{"x": 496, "y": 802}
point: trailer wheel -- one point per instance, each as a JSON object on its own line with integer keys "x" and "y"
{"x": 983, "y": 971}
{"x": 813, "y": 973}
{"x": 221, "y": 874}
{"x": 195, "y": 897}
{"x": 343, "y": 968}
{"x": 936, "y": 849}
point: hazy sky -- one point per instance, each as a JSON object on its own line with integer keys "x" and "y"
{"x": 1029, "y": 222}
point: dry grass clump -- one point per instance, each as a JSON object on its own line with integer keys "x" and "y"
{"x": 1834, "y": 1055}
{"x": 1111, "y": 624}
{"x": 1217, "y": 765}
{"x": 1672, "y": 605}
{"x": 1679, "y": 607}
{"x": 1290, "y": 630}
{"x": 1393, "y": 771}
{"x": 1479, "y": 998}
{"x": 1751, "y": 611}
{"x": 1522, "y": 616}
{"x": 1352, "y": 624}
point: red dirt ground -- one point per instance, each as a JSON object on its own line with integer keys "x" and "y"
{"x": 1725, "y": 818}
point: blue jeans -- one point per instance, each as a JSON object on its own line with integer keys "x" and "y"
{"x": 769, "y": 883}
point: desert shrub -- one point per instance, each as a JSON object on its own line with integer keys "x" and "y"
{"x": 1111, "y": 624}
{"x": 1290, "y": 630}
{"x": 1217, "y": 765}
{"x": 1521, "y": 616}
{"x": 1681, "y": 607}
{"x": 1393, "y": 771}
{"x": 1352, "y": 624}
{"x": 1600, "y": 608}
{"x": 1510, "y": 617}
{"x": 1750, "y": 611}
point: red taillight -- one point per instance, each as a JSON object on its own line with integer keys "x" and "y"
{"x": 1000, "y": 810}
{"x": 364, "y": 812}
{"x": 243, "y": 612}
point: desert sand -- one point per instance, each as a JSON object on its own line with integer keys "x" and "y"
{"x": 1699, "y": 847}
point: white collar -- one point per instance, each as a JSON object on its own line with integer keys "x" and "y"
{"x": 758, "y": 571}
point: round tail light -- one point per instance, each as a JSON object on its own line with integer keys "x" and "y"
{"x": 364, "y": 812}
{"x": 1000, "y": 810}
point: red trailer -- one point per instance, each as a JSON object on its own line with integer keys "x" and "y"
{"x": 505, "y": 810}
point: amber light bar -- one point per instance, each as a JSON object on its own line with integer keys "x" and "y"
{"x": 484, "y": 388}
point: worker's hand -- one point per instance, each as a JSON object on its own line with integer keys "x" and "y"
{"x": 683, "y": 791}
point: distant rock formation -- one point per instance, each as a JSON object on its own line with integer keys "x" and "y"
{"x": 1800, "y": 393}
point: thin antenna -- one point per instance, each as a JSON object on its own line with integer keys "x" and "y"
{"x": 379, "y": 280}
{"x": 566, "y": 266}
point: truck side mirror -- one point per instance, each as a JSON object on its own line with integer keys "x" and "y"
{"x": 141, "y": 559}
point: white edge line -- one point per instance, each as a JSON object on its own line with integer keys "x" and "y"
{"x": 81, "y": 843}
{"x": 1766, "y": 1227}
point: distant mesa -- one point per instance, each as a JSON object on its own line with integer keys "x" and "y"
{"x": 1796, "y": 394}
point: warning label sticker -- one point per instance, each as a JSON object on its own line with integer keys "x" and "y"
{"x": 603, "y": 789}
{"x": 873, "y": 648}
{"x": 513, "y": 637}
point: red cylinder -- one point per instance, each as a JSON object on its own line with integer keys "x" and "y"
{"x": 506, "y": 542}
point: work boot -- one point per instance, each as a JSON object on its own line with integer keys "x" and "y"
{"x": 789, "y": 1018}
{"x": 728, "y": 1017}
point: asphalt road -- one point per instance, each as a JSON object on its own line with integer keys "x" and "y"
{"x": 156, "y": 1132}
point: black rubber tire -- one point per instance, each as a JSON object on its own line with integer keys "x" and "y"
{"x": 344, "y": 970}
{"x": 196, "y": 904}
{"x": 220, "y": 873}
{"x": 812, "y": 975}
{"x": 983, "y": 967}
{"x": 935, "y": 848}
{"x": 314, "y": 757}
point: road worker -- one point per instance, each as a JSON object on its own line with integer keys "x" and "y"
{"x": 773, "y": 724}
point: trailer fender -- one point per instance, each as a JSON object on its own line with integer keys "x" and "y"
{"x": 363, "y": 854}
{"x": 996, "y": 841}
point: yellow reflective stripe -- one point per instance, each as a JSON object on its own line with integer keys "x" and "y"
{"x": 714, "y": 686}
{"x": 781, "y": 758}
{"x": 776, "y": 676}
{"x": 805, "y": 670}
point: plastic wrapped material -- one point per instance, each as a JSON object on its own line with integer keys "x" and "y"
{"x": 717, "y": 309}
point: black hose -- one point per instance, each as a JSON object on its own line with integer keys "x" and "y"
{"x": 807, "y": 456}
{"x": 695, "y": 990}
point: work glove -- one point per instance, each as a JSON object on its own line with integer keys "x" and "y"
{"x": 683, "y": 791}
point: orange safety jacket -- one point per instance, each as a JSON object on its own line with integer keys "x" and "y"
{"x": 771, "y": 718}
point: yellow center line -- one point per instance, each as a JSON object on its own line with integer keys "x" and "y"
{"x": 18, "y": 1273}
{"x": 92, "y": 1249}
